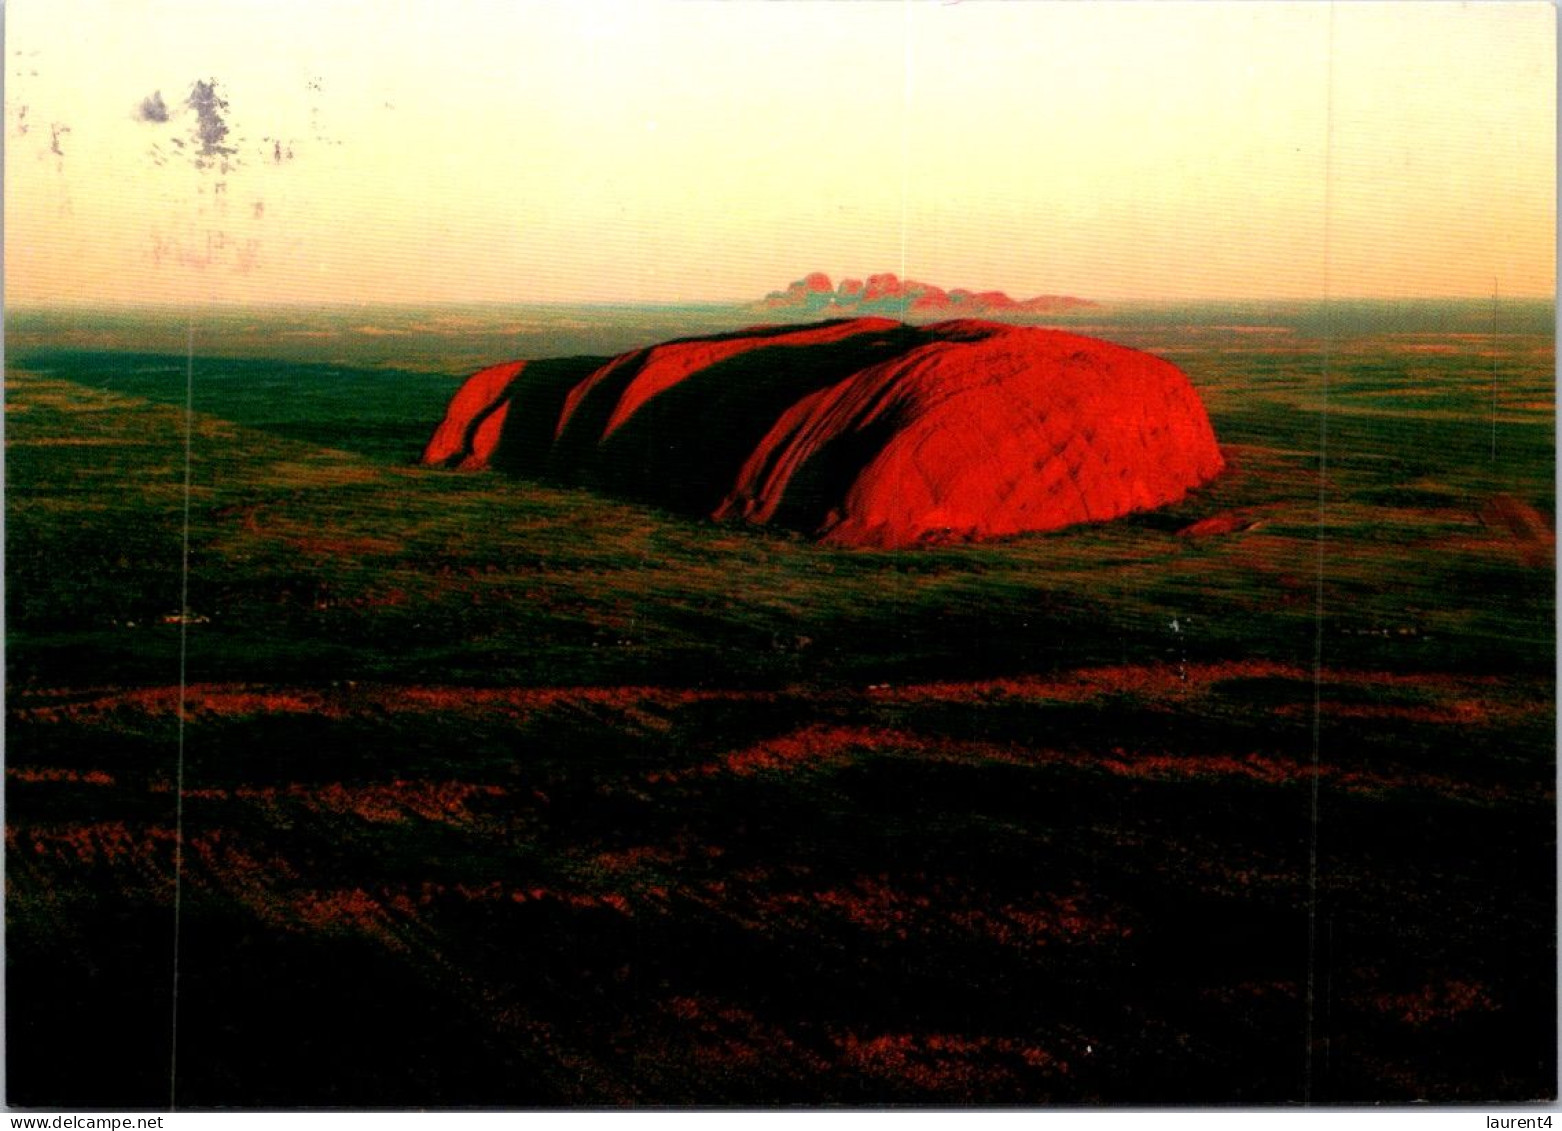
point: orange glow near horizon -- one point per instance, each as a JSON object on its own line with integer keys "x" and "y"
{"x": 665, "y": 152}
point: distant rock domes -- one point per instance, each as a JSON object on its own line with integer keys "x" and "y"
{"x": 860, "y": 432}
{"x": 888, "y": 294}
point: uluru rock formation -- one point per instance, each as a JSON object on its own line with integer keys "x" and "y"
{"x": 861, "y": 432}
{"x": 887, "y": 294}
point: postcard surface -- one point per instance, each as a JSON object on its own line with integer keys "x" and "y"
{"x": 608, "y": 555}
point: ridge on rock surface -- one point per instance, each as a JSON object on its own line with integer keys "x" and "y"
{"x": 860, "y": 432}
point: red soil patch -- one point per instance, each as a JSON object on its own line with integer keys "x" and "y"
{"x": 379, "y": 803}
{"x": 1530, "y": 530}
{"x": 443, "y": 802}
{"x": 235, "y": 700}
{"x": 115, "y": 843}
{"x": 720, "y": 1037}
{"x": 350, "y": 909}
{"x": 869, "y": 903}
{"x": 810, "y": 746}
{"x": 821, "y": 746}
{"x": 1174, "y": 767}
{"x": 1049, "y": 919}
{"x": 1461, "y": 712}
{"x": 1468, "y": 699}
{"x": 337, "y": 547}
{"x": 1439, "y": 1002}
{"x": 1184, "y": 682}
{"x": 948, "y": 1064}
{"x": 370, "y": 910}
{"x": 1275, "y": 770}
{"x": 33, "y": 774}
{"x": 1230, "y": 522}
{"x": 637, "y": 857}
{"x": 267, "y": 884}
{"x": 917, "y": 904}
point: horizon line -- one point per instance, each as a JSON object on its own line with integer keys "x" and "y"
{"x": 15, "y": 305}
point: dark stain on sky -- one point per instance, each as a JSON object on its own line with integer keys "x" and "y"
{"x": 210, "y": 143}
{"x": 210, "y": 128}
{"x": 213, "y": 142}
{"x": 153, "y": 108}
{"x": 316, "y": 87}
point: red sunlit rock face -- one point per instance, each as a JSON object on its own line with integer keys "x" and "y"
{"x": 860, "y": 432}
{"x": 475, "y": 400}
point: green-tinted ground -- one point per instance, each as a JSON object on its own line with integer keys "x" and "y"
{"x": 501, "y": 794}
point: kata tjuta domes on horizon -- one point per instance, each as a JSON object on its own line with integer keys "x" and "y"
{"x": 887, "y": 294}
{"x": 860, "y": 432}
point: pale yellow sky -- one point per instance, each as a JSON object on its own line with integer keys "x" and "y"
{"x": 463, "y": 151}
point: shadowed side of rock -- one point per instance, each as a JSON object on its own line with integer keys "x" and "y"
{"x": 479, "y": 429}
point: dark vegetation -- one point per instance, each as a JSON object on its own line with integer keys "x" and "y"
{"x": 497, "y": 793}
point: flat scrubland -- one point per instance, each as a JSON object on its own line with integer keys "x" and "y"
{"x": 495, "y": 793}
